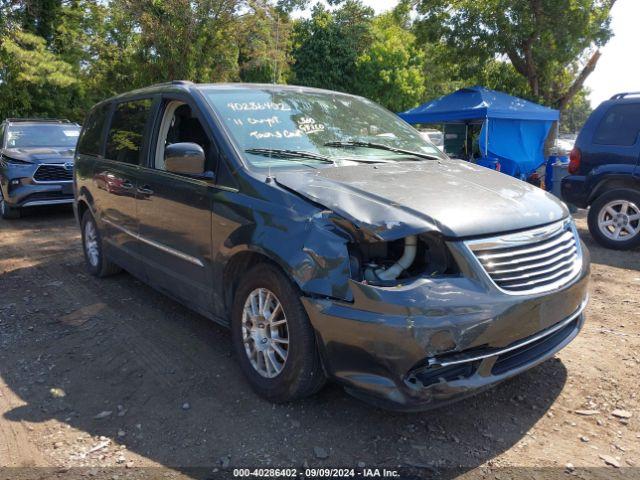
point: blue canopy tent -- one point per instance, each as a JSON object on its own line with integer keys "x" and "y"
{"x": 513, "y": 130}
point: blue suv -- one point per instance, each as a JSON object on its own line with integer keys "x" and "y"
{"x": 36, "y": 163}
{"x": 604, "y": 173}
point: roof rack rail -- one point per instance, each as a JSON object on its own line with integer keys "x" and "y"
{"x": 47, "y": 120}
{"x": 172, "y": 82}
{"x": 618, "y": 96}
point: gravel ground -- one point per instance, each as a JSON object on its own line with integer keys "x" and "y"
{"x": 109, "y": 379}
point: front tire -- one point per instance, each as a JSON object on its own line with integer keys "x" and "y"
{"x": 7, "y": 212}
{"x": 97, "y": 263}
{"x": 273, "y": 338}
{"x": 614, "y": 219}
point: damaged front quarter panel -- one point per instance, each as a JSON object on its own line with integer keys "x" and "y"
{"x": 300, "y": 237}
{"x": 323, "y": 264}
{"x": 322, "y": 267}
{"x": 320, "y": 261}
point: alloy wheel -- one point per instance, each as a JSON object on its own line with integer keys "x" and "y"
{"x": 265, "y": 332}
{"x": 91, "y": 243}
{"x": 619, "y": 220}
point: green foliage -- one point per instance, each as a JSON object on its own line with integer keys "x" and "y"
{"x": 59, "y": 57}
{"x": 548, "y": 42}
{"x": 264, "y": 45}
{"x": 40, "y": 17}
{"x": 34, "y": 80}
{"x": 390, "y": 70}
{"x": 576, "y": 113}
{"x": 327, "y": 46}
{"x": 180, "y": 39}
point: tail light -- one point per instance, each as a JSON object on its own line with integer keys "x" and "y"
{"x": 574, "y": 160}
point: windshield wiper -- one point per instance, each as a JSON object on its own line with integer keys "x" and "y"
{"x": 297, "y": 155}
{"x": 289, "y": 154}
{"x": 381, "y": 146}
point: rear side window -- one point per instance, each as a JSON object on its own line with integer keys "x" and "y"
{"x": 619, "y": 126}
{"x": 125, "y": 138}
{"x": 90, "y": 142}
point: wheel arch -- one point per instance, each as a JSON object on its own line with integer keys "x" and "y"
{"x": 83, "y": 202}
{"x": 238, "y": 263}
{"x": 82, "y": 206}
{"x": 617, "y": 182}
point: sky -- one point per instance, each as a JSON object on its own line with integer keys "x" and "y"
{"x": 618, "y": 69}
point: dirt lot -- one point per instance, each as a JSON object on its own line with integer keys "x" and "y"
{"x": 109, "y": 373}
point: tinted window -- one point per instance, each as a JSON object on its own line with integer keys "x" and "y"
{"x": 124, "y": 141}
{"x": 42, "y": 135}
{"x": 620, "y": 126}
{"x": 90, "y": 142}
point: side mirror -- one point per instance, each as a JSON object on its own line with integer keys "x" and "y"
{"x": 185, "y": 158}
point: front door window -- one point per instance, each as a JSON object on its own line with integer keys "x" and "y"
{"x": 180, "y": 125}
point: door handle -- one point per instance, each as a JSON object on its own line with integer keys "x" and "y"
{"x": 145, "y": 190}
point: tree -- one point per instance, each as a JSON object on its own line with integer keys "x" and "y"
{"x": 576, "y": 113}
{"x": 33, "y": 81}
{"x": 264, "y": 37}
{"x": 40, "y": 17}
{"x": 181, "y": 39}
{"x": 326, "y": 47}
{"x": 390, "y": 70}
{"x": 59, "y": 57}
{"x": 553, "y": 44}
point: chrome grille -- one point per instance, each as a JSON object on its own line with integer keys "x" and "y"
{"x": 536, "y": 260}
{"x": 53, "y": 173}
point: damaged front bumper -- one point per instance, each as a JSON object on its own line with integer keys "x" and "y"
{"x": 417, "y": 346}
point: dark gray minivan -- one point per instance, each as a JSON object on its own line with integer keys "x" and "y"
{"x": 331, "y": 237}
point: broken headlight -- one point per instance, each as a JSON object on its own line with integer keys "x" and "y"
{"x": 389, "y": 263}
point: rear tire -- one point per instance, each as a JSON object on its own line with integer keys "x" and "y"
{"x": 259, "y": 329}
{"x": 97, "y": 263}
{"x": 614, "y": 219}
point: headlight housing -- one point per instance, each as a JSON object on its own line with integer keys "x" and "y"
{"x": 369, "y": 260}
{"x": 13, "y": 161}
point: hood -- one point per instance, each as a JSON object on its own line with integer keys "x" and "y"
{"x": 454, "y": 197}
{"x": 40, "y": 154}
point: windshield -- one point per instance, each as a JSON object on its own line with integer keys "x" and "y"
{"x": 42, "y": 135}
{"x": 330, "y": 125}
